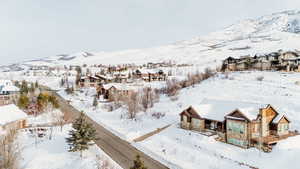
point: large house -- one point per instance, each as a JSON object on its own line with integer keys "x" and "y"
{"x": 149, "y": 75}
{"x": 288, "y": 61}
{"x": 239, "y": 123}
{"x": 12, "y": 117}
{"x": 8, "y": 92}
{"x": 110, "y": 90}
{"x": 89, "y": 81}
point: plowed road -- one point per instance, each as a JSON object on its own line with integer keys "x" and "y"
{"x": 119, "y": 150}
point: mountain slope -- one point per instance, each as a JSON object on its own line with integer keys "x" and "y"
{"x": 265, "y": 34}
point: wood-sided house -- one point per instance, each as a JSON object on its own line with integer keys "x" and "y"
{"x": 89, "y": 81}
{"x": 108, "y": 91}
{"x": 8, "y": 92}
{"x": 150, "y": 75}
{"x": 12, "y": 117}
{"x": 243, "y": 124}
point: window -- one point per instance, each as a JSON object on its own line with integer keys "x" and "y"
{"x": 236, "y": 127}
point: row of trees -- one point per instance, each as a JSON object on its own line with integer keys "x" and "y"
{"x": 135, "y": 102}
{"x": 44, "y": 102}
{"x": 173, "y": 86}
{"x": 26, "y": 88}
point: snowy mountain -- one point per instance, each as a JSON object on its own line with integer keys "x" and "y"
{"x": 265, "y": 34}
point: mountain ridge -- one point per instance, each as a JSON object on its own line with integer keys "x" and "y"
{"x": 264, "y": 34}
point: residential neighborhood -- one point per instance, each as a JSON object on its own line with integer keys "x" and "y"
{"x": 150, "y": 85}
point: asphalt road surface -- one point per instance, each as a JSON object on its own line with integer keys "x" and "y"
{"x": 119, "y": 150}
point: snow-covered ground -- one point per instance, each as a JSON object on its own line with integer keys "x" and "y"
{"x": 53, "y": 154}
{"x": 189, "y": 149}
{"x": 49, "y": 117}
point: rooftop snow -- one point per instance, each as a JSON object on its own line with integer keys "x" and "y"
{"x": 10, "y": 113}
{"x": 218, "y": 109}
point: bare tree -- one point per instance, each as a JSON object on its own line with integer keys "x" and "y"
{"x": 147, "y": 98}
{"x": 173, "y": 87}
{"x": 9, "y": 151}
{"x": 132, "y": 103}
{"x": 58, "y": 118}
{"x": 103, "y": 163}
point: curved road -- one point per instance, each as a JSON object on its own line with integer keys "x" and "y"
{"x": 119, "y": 150}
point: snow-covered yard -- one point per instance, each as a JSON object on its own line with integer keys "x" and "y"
{"x": 189, "y": 149}
{"x": 53, "y": 154}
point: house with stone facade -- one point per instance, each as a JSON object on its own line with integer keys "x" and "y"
{"x": 239, "y": 123}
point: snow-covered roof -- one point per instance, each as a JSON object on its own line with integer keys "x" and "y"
{"x": 10, "y": 113}
{"x": 7, "y": 86}
{"x": 218, "y": 109}
{"x": 278, "y": 118}
{"x": 10, "y": 88}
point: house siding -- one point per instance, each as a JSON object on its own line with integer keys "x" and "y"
{"x": 237, "y": 133}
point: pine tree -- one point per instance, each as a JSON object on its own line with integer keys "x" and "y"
{"x": 138, "y": 163}
{"x": 24, "y": 87}
{"x": 95, "y": 102}
{"x": 81, "y": 136}
{"x": 36, "y": 85}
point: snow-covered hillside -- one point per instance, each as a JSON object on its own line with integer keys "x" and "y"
{"x": 265, "y": 34}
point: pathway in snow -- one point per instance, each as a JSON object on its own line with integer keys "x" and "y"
{"x": 152, "y": 133}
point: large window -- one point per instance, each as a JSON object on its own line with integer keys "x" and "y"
{"x": 236, "y": 127}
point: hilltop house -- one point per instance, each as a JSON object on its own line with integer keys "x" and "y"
{"x": 149, "y": 75}
{"x": 8, "y": 92}
{"x": 239, "y": 123}
{"x": 12, "y": 117}
{"x": 288, "y": 61}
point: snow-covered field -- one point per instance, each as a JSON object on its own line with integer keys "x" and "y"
{"x": 189, "y": 149}
{"x": 53, "y": 154}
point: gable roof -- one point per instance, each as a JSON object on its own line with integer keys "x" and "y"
{"x": 218, "y": 109}
{"x": 278, "y": 118}
{"x": 10, "y": 113}
{"x": 191, "y": 112}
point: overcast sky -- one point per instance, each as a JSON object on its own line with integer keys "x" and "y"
{"x": 37, "y": 28}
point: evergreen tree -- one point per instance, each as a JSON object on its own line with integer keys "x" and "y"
{"x": 36, "y": 85}
{"x": 24, "y": 87}
{"x": 32, "y": 88}
{"x": 62, "y": 82}
{"x": 81, "y": 136}
{"x": 95, "y": 102}
{"x": 138, "y": 163}
{"x": 77, "y": 80}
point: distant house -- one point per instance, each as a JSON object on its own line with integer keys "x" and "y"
{"x": 110, "y": 90}
{"x": 12, "y": 117}
{"x": 149, "y": 75}
{"x": 239, "y": 123}
{"x": 287, "y": 61}
{"x": 89, "y": 81}
{"x": 8, "y": 92}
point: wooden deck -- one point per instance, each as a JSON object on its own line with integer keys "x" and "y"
{"x": 271, "y": 139}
